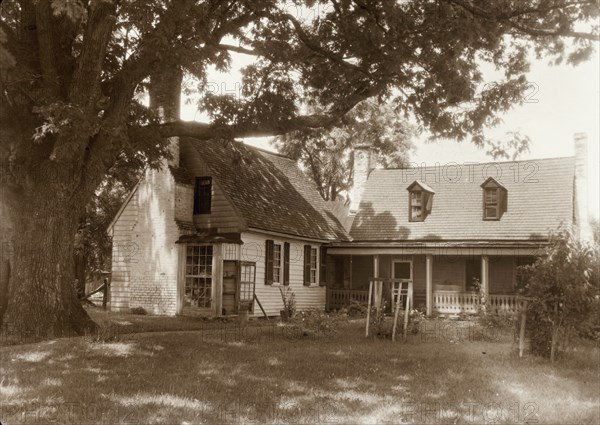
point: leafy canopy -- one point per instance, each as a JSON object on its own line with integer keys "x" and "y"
{"x": 71, "y": 71}
{"x": 326, "y": 153}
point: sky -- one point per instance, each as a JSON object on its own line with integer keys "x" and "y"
{"x": 563, "y": 100}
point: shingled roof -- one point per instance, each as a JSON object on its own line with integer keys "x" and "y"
{"x": 539, "y": 194}
{"x": 270, "y": 191}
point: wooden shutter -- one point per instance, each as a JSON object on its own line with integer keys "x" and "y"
{"x": 307, "y": 265}
{"x": 323, "y": 266}
{"x": 269, "y": 252}
{"x": 286, "y": 263}
{"x": 503, "y": 201}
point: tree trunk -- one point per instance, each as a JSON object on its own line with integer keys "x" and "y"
{"x": 42, "y": 297}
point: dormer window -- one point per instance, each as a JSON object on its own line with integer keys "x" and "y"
{"x": 420, "y": 200}
{"x": 494, "y": 199}
{"x": 203, "y": 195}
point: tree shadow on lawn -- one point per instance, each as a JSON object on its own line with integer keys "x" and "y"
{"x": 191, "y": 377}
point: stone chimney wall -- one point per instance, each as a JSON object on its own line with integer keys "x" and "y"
{"x": 581, "y": 187}
{"x": 364, "y": 163}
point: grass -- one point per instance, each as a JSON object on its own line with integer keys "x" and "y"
{"x": 221, "y": 373}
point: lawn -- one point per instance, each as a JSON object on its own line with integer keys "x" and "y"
{"x": 214, "y": 372}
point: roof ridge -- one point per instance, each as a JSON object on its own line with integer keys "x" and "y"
{"x": 263, "y": 150}
{"x": 478, "y": 163}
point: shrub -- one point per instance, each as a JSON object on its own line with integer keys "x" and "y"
{"x": 318, "y": 322}
{"x": 356, "y": 309}
{"x": 415, "y": 318}
{"x": 377, "y": 319}
{"x": 139, "y": 310}
{"x": 564, "y": 290}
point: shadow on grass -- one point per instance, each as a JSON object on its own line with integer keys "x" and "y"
{"x": 215, "y": 377}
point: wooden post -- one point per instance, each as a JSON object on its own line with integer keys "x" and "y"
{"x": 408, "y": 301}
{"x": 429, "y": 283}
{"x": 217, "y": 280}
{"x": 485, "y": 280}
{"x": 377, "y": 294}
{"x": 105, "y": 293}
{"x": 522, "y": 330}
{"x": 369, "y": 307}
{"x": 398, "y": 292}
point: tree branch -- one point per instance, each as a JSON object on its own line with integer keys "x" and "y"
{"x": 86, "y": 82}
{"x": 535, "y": 32}
{"x": 558, "y": 33}
{"x": 315, "y": 47}
{"x": 46, "y": 49}
{"x": 237, "y": 49}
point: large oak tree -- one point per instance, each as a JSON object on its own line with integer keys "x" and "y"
{"x": 71, "y": 72}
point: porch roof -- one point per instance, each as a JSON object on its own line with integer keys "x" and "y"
{"x": 454, "y": 248}
{"x": 211, "y": 238}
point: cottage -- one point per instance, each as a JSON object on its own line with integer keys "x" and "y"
{"x": 450, "y": 227}
{"x": 222, "y": 226}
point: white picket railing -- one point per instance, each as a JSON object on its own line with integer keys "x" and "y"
{"x": 468, "y": 302}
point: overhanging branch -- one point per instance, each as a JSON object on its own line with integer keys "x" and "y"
{"x": 205, "y": 131}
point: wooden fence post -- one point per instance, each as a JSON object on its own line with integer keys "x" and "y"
{"x": 522, "y": 330}
{"x": 105, "y": 294}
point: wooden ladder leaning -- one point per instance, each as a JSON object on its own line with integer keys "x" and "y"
{"x": 398, "y": 288}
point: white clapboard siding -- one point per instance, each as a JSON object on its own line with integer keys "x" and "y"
{"x": 121, "y": 249}
{"x": 269, "y": 296}
{"x": 145, "y": 256}
{"x": 223, "y": 215}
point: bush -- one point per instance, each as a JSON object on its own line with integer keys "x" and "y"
{"x": 139, "y": 310}
{"x": 356, "y": 309}
{"x": 318, "y": 322}
{"x": 500, "y": 321}
{"x": 415, "y": 318}
{"x": 564, "y": 289}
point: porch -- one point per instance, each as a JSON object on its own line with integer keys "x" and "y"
{"x": 443, "y": 301}
{"x": 442, "y": 284}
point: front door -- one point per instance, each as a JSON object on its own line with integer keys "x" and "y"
{"x": 230, "y": 287}
{"x": 402, "y": 269}
{"x": 472, "y": 274}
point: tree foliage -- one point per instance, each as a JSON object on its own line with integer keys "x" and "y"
{"x": 564, "y": 285}
{"x": 72, "y": 72}
{"x": 326, "y": 153}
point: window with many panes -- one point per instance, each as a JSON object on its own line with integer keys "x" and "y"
{"x": 420, "y": 199}
{"x": 491, "y": 203}
{"x": 416, "y": 206}
{"x": 494, "y": 199}
{"x": 277, "y": 263}
{"x": 198, "y": 276}
{"x": 313, "y": 265}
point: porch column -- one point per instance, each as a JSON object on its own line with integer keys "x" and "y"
{"x": 485, "y": 277}
{"x": 429, "y": 283}
{"x": 181, "y": 257}
{"x": 217, "y": 280}
{"x": 377, "y": 287}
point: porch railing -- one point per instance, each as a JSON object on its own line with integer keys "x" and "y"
{"x": 339, "y": 298}
{"x": 455, "y": 302}
{"x": 504, "y": 303}
{"x": 468, "y": 302}
{"x": 443, "y": 301}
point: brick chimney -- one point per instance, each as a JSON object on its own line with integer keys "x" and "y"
{"x": 364, "y": 163}
{"x": 581, "y": 187}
